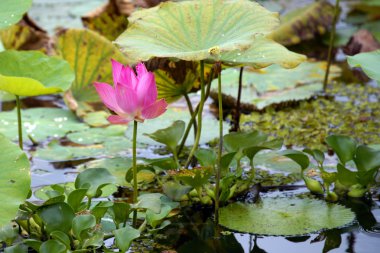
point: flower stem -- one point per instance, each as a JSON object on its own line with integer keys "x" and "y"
{"x": 191, "y": 110}
{"x": 19, "y": 121}
{"x": 134, "y": 167}
{"x": 187, "y": 131}
{"x": 237, "y": 113}
{"x": 201, "y": 104}
{"x": 219, "y": 167}
{"x": 332, "y": 37}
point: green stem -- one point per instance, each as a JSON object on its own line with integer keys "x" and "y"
{"x": 134, "y": 168}
{"x": 219, "y": 167}
{"x": 183, "y": 141}
{"x": 237, "y": 113}
{"x": 19, "y": 121}
{"x": 191, "y": 110}
{"x": 89, "y": 203}
{"x": 175, "y": 157}
{"x": 332, "y": 37}
{"x": 201, "y": 104}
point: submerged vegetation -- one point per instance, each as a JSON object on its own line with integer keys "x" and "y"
{"x": 112, "y": 109}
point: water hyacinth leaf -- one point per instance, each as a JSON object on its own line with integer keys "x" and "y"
{"x": 175, "y": 190}
{"x": 262, "y": 53}
{"x": 18, "y": 248}
{"x": 251, "y": 152}
{"x": 75, "y": 198}
{"x": 94, "y": 180}
{"x": 81, "y": 224}
{"x": 57, "y": 217}
{"x": 273, "y": 85}
{"x": 46, "y": 75}
{"x": 346, "y": 176}
{"x": 285, "y": 216}
{"x": 52, "y": 246}
{"x": 318, "y": 155}
{"x": 155, "y": 219}
{"x": 150, "y": 201}
{"x": 196, "y": 177}
{"x": 14, "y": 179}
{"x": 299, "y": 157}
{"x": 369, "y": 62}
{"x": 226, "y": 26}
{"x": 120, "y": 212}
{"x": 343, "y": 146}
{"x": 304, "y": 23}
{"x": 124, "y": 237}
{"x": 367, "y": 158}
{"x": 40, "y": 123}
{"x": 89, "y": 54}
{"x": 169, "y": 136}
{"x": 61, "y": 237}
{"x": 11, "y": 11}
{"x": 206, "y": 157}
{"x": 233, "y": 142}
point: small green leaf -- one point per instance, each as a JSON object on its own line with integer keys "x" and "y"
{"x": 316, "y": 154}
{"x": 94, "y": 180}
{"x": 124, "y": 237}
{"x": 120, "y": 212}
{"x": 206, "y": 157}
{"x": 299, "y": 157}
{"x": 174, "y": 190}
{"x": 52, "y": 246}
{"x": 367, "y": 158}
{"x": 31, "y": 73}
{"x": 169, "y": 136}
{"x": 234, "y": 142}
{"x": 57, "y": 217}
{"x": 61, "y": 237}
{"x": 18, "y": 248}
{"x": 343, "y": 146}
{"x": 81, "y": 224}
{"x": 369, "y": 62}
{"x": 150, "y": 201}
{"x": 155, "y": 219}
{"x": 346, "y": 176}
{"x": 75, "y": 198}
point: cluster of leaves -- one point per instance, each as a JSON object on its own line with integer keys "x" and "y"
{"x": 355, "y": 181}
{"x": 68, "y": 219}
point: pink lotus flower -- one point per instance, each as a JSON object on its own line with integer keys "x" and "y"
{"x": 132, "y": 97}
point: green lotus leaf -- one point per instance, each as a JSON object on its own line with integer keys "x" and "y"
{"x": 304, "y": 23}
{"x": 11, "y": 11}
{"x": 89, "y": 54}
{"x": 31, "y": 73}
{"x": 262, "y": 53}
{"x": 14, "y": 179}
{"x": 285, "y": 216}
{"x": 40, "y": 123}
{"x": 273, "y": 85}
{"x": 194, "y": 30}
{"x": 369, "y": 62}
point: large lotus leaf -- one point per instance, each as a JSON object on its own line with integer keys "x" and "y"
{"x": 97, "y": 135}
{"x": 11, "y": 11}
{"x": 14, "y": 179}
{"x": 273, "y": 85}
{"x": 89, "y": 54}
{"x": 28, "y": 73}
{"x": 172, "y": 114}
{"x": 262, "y": 53}
{"x": 194, "y": 30}
{"x": 369, "y": 62}
{"x": 40, "y": 123}
{"x": 285, "y": 216}
{"x": 304, "y": 23}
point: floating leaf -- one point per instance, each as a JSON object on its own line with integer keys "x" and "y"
{"x": 273, "y": 85}
{"x": 14, "y": 179}
{"x": 285, "y": 216}
{"x": 369, "y": 62}
{"x": 40, "y": 123}
{"x": 46, "y": 75}
{"x": 173, "y": 29}
{"x": 275, "y": 162}
{"x": 97, "y": 135}
{"x": 304, "y": 23}
{"x": 11, "y": 11}
{"x": 89, "y": 54}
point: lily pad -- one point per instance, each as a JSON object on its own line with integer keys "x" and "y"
{"x": 194, "y": 30}
{"x": 97, "y": 135}
{"x": 369, "y": 62}
{"x": 273, "y": 161}
{"x": 304, "y": 23}
{"x": 171, "y": 115}
{"x": 40, "y": 123}
{"x": 89, "y": 54}
{"x": 31, "y": 73}
{"x": 14, "y": 179}
{"x": 285, "y": 216}
{"x": 274, "y": 85}
{"x": 11, "y": 11}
